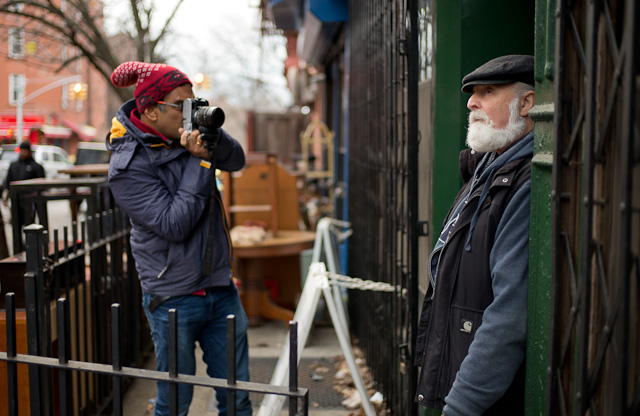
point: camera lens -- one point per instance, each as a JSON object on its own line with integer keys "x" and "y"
{"x": 209, "y": 117}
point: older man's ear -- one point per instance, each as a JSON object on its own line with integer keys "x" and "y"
{"x": 528, "y": 100}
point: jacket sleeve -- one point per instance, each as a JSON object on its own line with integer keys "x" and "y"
{"x": 148, "y": 201}
{"x": 499, "y": 344}
{"x": 230, "y": 155}
{"x": 40, "y": 171}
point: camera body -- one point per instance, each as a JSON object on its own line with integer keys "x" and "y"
{"x": 196, "y": 112}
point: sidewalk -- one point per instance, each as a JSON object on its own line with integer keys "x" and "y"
{"x": 316, "y": 373}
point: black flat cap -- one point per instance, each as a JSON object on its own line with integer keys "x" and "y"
{"x": 502, "y": 70}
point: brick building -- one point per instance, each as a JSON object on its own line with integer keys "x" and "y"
{"x": 31, "y": 57}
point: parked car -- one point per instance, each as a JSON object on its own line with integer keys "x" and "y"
{"x": 52, "y": 159}
{"x": 90, "y": 153}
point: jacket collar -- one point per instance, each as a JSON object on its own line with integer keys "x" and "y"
{"x": 159, "y": 150}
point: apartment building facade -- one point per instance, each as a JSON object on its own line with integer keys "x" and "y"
{"x": 59, "y": 104}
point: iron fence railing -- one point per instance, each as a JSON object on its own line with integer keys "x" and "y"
{"x": 44, "y": 403}
{"x": 383, "y": 157}
{"x": 595, "y": 332}
{"x": 79, "y": 350}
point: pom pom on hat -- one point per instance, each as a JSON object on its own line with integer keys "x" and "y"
{"x": 153, "y": 81}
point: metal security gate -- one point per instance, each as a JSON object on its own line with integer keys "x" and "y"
{"x": 595, "y": 329}
{"x": 383, "y": 158}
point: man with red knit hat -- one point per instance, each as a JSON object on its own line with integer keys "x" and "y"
{"x": 162, "y": 177}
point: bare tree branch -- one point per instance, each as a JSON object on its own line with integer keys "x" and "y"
{"x": 165, "y": 28}
{"x": 80, "y": 24}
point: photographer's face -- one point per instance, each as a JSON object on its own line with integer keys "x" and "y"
{"x": 170, "y": 120}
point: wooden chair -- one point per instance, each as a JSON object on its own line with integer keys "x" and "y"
{"x": 264, "y": 192}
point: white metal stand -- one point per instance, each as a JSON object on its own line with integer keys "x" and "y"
{"x": 317, "y": 283}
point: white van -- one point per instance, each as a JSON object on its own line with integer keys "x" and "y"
{"x": 52, "y": 159}
{"x": 91, "y": 153}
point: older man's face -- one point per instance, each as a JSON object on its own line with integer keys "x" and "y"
{"x": 495, "y": 120}
{"x": 494, "y": 101}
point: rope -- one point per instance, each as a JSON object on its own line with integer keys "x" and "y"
{"x": 360, "y": 284}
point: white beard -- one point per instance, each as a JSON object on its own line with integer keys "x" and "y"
{"x": 483, "y": 137}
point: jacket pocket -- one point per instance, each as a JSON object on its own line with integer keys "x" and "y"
{"x": 463, "y": 324}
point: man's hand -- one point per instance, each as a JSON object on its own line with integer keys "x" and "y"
{"x": 193, "y": 143}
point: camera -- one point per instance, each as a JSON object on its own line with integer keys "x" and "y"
{"x": 197, "y": 113}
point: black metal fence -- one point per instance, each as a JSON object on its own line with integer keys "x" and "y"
{"x": 79, "y": 350}
{"x": 595, "y": 336}
{"x": 383, "y": 160}
{"x": 91, "y": 267}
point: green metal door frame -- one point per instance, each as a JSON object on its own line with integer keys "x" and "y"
{"x": 540, "y": 239}
{"x": 467, "y": 34}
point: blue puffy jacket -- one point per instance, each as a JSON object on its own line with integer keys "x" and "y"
{"x": 166, "y": 193}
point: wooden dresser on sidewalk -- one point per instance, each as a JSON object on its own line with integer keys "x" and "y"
{"x": 265, "y": 192}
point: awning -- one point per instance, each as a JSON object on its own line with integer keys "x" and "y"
{"x": 323, "y": 21}
{"x": 8, "y": 129}
{"x": 84, "y": 131}
{"x": 287, "y": 14}
{"x": 55, "y": 132}
{"x": 330, "y": 10}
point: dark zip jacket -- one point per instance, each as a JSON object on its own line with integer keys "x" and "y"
{"x": 472, "y": 331}
{"x": 166, "y": 193}
{"x": 21, "y": 170}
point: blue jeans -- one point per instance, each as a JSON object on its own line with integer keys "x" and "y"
{"x": 202, "y": 319}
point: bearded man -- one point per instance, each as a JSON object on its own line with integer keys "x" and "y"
{"x": 472, "y": 330}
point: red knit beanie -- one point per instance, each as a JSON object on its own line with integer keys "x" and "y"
{"x": 153, "y": 81}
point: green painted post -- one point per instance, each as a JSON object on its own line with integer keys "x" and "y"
{"x": 467, "y": 34}
{"x": 539, "y": 306}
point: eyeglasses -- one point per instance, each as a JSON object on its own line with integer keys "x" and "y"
{"x": 178, "y": 106}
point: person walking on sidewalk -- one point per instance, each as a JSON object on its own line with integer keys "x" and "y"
{"x": 162, "y": 177}
{"x": 21, "y": 170}
{"x": 472, "y": 332}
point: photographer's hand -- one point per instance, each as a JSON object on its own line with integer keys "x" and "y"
{"x": 210, "y": 137}
{"x": 193, "y": 143}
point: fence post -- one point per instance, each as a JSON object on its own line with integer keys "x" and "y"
{"x": 64, "y": 378}
{"x": 293, "y": 366}
{"x": 12, "y": 368}
{"x": 173, "y": 361}
{"x": 37, "y": 341}
{"x": 116, "y": 358}
{"x": 231, "y": 364}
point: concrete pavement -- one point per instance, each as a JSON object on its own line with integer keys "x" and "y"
{"x": 265, "y": 345}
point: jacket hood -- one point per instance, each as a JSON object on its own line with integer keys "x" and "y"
{"x": 124, "y": 132}
{"x": 488, "y": 166}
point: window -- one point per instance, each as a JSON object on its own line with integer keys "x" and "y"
{"x": 16, "y": 42}
{"x": 65, "y": 96}
{"x": 65, "y": 87}
{"x": 16, "y": 88}
{"x": 18, "y": 7}
{"x": 59, "y": 158}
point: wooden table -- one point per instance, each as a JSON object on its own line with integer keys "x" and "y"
{"x": 98, "y": 169}
{"x": 251, "y": 268}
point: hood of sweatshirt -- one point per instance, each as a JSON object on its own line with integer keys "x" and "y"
{"x": 124, "y": 135}
{"x": 488, "y": 166}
